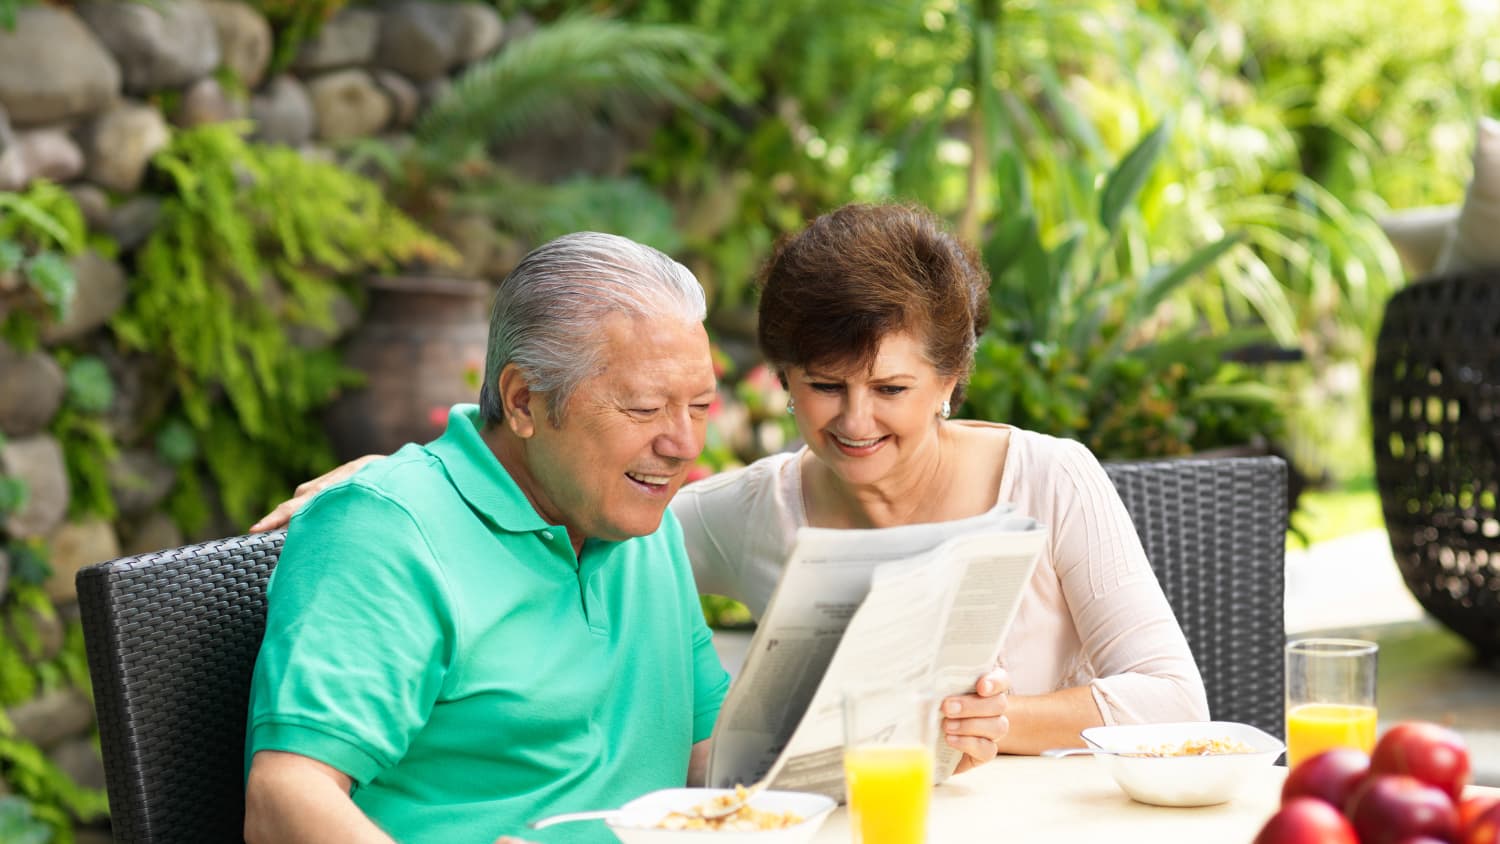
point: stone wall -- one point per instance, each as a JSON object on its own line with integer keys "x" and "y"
{"x": 88, "y": 95}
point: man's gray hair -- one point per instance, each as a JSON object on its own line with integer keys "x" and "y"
{"x": 549, "y": 310}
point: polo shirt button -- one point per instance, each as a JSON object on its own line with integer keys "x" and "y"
{"x": 547, "y": 535}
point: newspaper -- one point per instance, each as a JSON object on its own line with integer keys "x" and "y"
{"x": 925, "y": 606}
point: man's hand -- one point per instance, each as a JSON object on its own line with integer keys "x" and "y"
{"x": 305, "y": 491}
{"x": 976, "y": 723}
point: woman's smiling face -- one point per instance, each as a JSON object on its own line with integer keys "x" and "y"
{"x": 864, "y": 425}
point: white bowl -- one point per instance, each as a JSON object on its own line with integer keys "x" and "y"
{"x": 635, "y": 821}
{"x": 1182, "y": 780}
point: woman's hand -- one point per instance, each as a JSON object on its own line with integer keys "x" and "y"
{"x": 976, "y": 723}
{"x": 283, "y": 512}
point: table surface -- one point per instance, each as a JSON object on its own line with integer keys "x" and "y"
{"x": 1067, "y": 800}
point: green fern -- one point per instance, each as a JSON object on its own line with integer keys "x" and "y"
{"x": 257, "y": 239}
{"x": 565, "y": 72}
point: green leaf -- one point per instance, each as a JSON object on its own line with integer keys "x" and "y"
{"x": 28, "y": 563}
{"x": 11, "y": 255}
{"x": 31, "y": 212}
{"x": 568, "y": 71}
{"x": 1162, "y": 281}
{"x": 90, "y": 387}
{"x": 52, "y": 278}
{"x": 1125, "y": 182}
{"x": 1007, "y": 242}
{"x": 176, "y": 442}
{"x": 13, "y": 494}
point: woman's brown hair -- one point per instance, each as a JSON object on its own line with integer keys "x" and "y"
{"x": 831, "y": 293}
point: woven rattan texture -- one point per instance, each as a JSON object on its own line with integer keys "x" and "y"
{"x": 1435, "y": 410}
{"x": 172, "y": 639}
{"x": 1215, "y": 533}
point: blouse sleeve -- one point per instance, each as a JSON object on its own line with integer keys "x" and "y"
{"x": 1144, "y": 669}
{"x": 694, "y": 510}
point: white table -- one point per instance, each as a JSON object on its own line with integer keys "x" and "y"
{"x": 1059, "y": 801}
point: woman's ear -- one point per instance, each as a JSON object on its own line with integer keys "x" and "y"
{"x": 515, "y": 400}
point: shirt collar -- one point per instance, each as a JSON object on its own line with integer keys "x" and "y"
{"x": 478, "y": 475}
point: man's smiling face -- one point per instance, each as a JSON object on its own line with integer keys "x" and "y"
{"x": 628, "y": 434}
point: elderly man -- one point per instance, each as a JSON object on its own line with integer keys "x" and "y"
{"x": 500, "y": 624}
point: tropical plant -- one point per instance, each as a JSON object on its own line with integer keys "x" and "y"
{"x": 1083, "y": 341}
{"x": 567, "y": 72}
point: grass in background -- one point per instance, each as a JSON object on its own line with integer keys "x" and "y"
{"x": 1329, "y": 514}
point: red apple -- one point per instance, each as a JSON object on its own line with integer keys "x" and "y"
{"x": 1484, "y": 828}
{"x": 1307, "y": 820}
{"x": 1387, "y": 808}
{"x": 1470, "y": 808}
{"x": 1331, "y": 775}
{"x": 1433, "y": 754}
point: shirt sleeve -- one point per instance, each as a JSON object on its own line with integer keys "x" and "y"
{"x": 710, "y": 680}
{"x": 359, "y": 636}
{"x": 1144, "y": 668}
{"x": 696, "y": 508}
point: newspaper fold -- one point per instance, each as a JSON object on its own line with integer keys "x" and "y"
{"x": 922, "y": 606}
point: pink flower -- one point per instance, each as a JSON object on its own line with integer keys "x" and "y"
{"x": 437, "y": 416}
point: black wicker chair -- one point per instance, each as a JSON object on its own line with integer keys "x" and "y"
{"x": 1215, "y": 533}
{"x": 172, "y": 639}
{"x": 1435, "y": 412}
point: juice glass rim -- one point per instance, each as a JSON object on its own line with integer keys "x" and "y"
{"x": 1331, "y": 646}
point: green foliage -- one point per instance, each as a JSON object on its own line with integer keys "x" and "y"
{"x": 28, "y": 561}
{"x": 13, "y": 491}
{"x": 38, "y": 230}
{"x": 1080, "y": 343}
{"x": 722, "y": 613}
{"x": 90, "y": 387}
{"x": 176, "y": 442}
{"x": 88, "y": 450}
{"x": 256, "y": 239}
{"x": 53, "y": 798}
{"x": 18, "y": 824}
{"x": 564, "y": 73}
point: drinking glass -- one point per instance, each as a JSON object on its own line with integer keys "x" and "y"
{"x": 1330, "y": 696}
{"x": 888, "y": 763}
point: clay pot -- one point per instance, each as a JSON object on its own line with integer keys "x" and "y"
{"x": 421, "y": 349}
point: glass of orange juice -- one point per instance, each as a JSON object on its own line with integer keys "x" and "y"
{"x": 888, "y": 763}
{"x": 1330, "y": 696}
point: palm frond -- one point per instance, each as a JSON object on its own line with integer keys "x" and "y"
{"x": 566, "y": 72}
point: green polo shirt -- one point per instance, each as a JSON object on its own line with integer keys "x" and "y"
{"x": 432, "y": 637}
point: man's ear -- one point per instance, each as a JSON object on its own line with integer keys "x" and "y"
{"x": 516, "y": 400}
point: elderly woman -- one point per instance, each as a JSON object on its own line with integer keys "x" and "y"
{"x": 871, "y": 317}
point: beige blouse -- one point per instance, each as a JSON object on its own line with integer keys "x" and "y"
{"x": 1092, "y": 614}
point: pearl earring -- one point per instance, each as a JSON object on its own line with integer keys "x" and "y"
{"x": 947, "y": 409}
{"x": 791, "y": 406}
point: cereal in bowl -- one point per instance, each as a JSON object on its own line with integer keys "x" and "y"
{"x": 1197, "y": 747}
{"x": 744, "y": 819}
